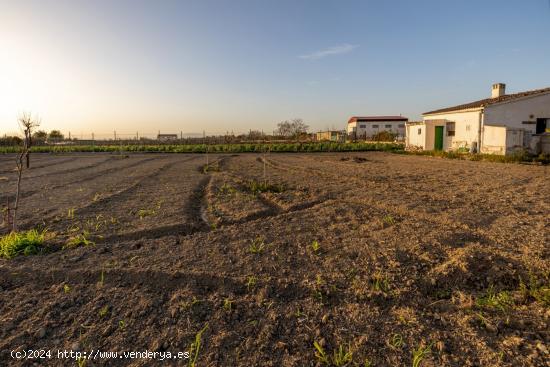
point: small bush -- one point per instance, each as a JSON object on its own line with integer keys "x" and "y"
{"x": 22, "y": 243}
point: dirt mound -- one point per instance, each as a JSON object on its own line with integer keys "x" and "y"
{"x": 474, "y": 267}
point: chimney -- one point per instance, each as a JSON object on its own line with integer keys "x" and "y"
{"x": 499, "y": 89}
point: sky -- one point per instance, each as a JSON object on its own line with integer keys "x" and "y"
{"x": 222, "y": 66}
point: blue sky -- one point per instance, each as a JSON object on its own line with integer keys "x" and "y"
{"x": 237, "y": 65}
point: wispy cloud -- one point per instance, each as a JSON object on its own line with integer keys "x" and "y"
{"x": 336, "y": 50}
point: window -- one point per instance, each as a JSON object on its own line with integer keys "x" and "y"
{"x": 450, "y": 128}
{"x": 362, "y": 126}
{"x": 375, "y": 126}
{"x": 467, "y": 127}
{"x": 419, "y": 131}
{"x": 401, "y": 126}
{"x": 388, "y": 126}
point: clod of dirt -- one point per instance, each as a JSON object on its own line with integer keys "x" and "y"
{"x": 359, "y": 159}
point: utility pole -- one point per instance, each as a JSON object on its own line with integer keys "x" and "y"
{"x": 115, "y": 134}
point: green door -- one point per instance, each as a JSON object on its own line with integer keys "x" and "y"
{"x": 438, "y": 144}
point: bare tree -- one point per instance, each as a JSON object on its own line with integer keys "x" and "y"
{"x": 27, "y": 123}
{"x": 293, "y": 128}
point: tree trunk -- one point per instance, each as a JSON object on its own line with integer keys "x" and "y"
{"x": 18, "y": 192}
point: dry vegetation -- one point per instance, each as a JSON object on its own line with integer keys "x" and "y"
{"x": 332, "y": 259}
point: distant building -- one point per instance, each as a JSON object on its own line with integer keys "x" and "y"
{"x": 167, "y": 137}
{"x": 500, "y": 124}
{"x": 368, "y": 126}
{"x": 330, "y": 135}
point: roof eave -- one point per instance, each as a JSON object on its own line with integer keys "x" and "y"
{"x": 518, "y": 99}
{"x": 463, "y": 110}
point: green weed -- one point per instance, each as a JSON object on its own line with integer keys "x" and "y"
{"x": 195, "y": 347}
{"x": 101, "y": 279}
{"x": 258, "y": 187}
{"x": 536, "y": 289}
{"x": 79, "y": 240}
{"x": 315, "y": 246}
{"x": 227, "y": 189}
{"x": 257, "y": 246}
{"x": 210, "y": 168}
{"x": 142, "y": 213}
{"x": 66, "y": 288}
{"x": 251, "y": 282}
{"x": 341, "y": 356}
{"x": 320, "y": 354}
{"x": 396, "y": 341}
{"x": 22, "y": 243}
{"x": 189, "y": 305}
{"x": 70, "y": 213}
{"x": 419, "y": 354}
{"x": 227, "y": 304}
{"x": 103, "y": 311}
{"x": 388, "y": 220}
{"x": 495, "y": 300}
{"x": 380, "y": 283}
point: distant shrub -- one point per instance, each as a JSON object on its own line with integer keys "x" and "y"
{"x": 384, "y": 136}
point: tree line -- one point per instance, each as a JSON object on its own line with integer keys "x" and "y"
{"x": 38, "y": 137}
{"x": 289, "y": 129}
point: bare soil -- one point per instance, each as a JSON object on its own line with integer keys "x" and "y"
{"x": 413, "y": 253}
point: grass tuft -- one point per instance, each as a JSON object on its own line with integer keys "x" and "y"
{"x": 257, "y": 246}
{"x": 340, "y": 356}
{"x": 22, "y": 243}
{"x": 536, "y": 289}
{"x": 259, "y": 187}
{"x": 78, "y": 240}
{"x": 320, "y": 354}
{"x": 495, "y": 300}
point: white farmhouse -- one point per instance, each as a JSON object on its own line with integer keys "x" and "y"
{"x": 368, "y": 126}
{"x": 500, "y": 124}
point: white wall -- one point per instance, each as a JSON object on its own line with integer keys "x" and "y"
{"x": 466, "y": 129}
{"x": 494, "y": 140}
{"x": 351, "y": 125}
{"x": 370, "y": 130}
{"x": 512, "y": 114}
{"x": 414, "y": 139}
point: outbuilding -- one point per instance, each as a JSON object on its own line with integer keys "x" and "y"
{"x": 365, "y": 127}
{"x": 501, "y": 124}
